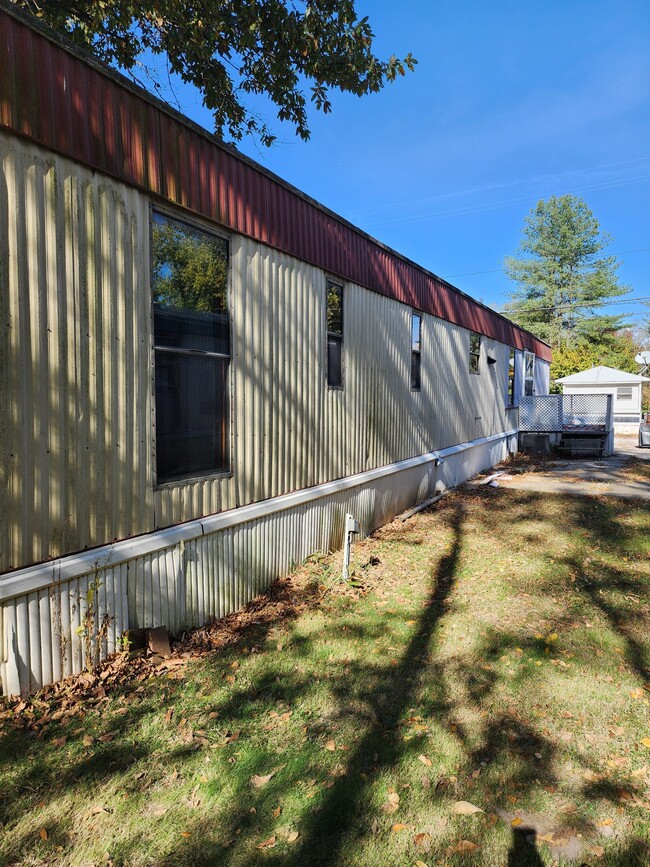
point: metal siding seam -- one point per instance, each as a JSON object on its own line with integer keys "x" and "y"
{"x": 73, "y": 620}
{"x": 27, "y": 467}
{"x": 33, "y": 622}
{"x": 45, "y": 636}
{"x": 59, "y": 355}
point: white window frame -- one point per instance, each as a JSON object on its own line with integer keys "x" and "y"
{"x": 529, "y": 373}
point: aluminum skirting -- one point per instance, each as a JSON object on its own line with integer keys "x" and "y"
{"x": 190, "y": 574}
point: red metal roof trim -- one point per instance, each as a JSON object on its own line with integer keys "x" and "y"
{"x": 74, "y": 106}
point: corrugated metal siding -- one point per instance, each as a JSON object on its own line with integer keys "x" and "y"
{"x": 69, "y": 105}
{"x": 289, "y": 430}
{"x": 76, "y": 377}
{"x": 76, "y": 423}
{"x": 192, "y": 582}
{"x": 42, "y": 633}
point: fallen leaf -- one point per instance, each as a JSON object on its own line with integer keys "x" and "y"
{"x": 88, "y": 740}
{"x": 186, "y": 834}
{"x": 464, "y": 808}
{"x": 293, "y": 836}
{"x": 267, "y": 844}
{"x": 516, "y": 821}
{"x": 420, "y": 864}
{"x": 42, "y": 834}
{"x": 399, "y": 826}
{"x": 598, "y": 851}
{"x": 425, "y": 761}
{"x": 95, "y": 811}
{"x": 107, "y": 737}
{"x": 391, "y": 805}
{"x": 277, "y": 812}
{"x": 331, "y": 746}
{"x": 257, "y": 781}
{"x": 465, "y": 846}
{"x": 646, "y": 742}
{"x": 59, "y": 742}
{"x": 422, "y": 840}
{"x": 637, "y": 693}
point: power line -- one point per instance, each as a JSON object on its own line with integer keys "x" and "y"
{"x": 502, "y": 270}
{"x": 575, "y": 306}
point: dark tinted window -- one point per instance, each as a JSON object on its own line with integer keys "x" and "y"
{"x": 474, "y": 352}
{"x": 192, "y": 338}
{"x": 416, "y": 345}
{"x": 511, "y": 378}
{"x": 334, "y": 304}
{"x": 334, "y": 361}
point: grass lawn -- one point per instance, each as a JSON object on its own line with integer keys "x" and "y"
{"x": 479, "y": 696}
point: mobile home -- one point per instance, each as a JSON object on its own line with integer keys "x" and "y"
{"x": 202, "y": 370}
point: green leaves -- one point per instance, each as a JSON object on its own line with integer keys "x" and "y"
{"x": 226, "y": 50}
{"x": 562, "y": 280}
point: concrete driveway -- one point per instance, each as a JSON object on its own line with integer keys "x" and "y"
{"x": 614, "y": 476}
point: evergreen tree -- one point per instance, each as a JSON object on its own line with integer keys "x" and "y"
{"x": 562, "y": 276}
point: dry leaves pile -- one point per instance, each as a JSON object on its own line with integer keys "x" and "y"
{"x": 60, "y": 702}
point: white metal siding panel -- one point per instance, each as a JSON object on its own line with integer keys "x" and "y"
{"x": 40, "y": 631}
{"x": 75, "y": 350}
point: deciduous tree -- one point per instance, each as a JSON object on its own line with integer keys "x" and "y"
{"x": 292, "y": 51}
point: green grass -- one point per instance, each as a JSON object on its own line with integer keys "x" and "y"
{"x": 493, "y": 650}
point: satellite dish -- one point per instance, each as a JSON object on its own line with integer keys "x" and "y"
{"x": 643, "y": 357}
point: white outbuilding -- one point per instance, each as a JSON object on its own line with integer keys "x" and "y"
{"x": 624, "y": 387}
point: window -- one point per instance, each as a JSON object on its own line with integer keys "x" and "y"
{"x": 529, "y": 373}
{"x": 474, "y": 352}
{"x": 510, "y": 400}
{"x": 192, "y": 350}
{"x": 334, "y": 335}
{"x": 416, "y": 334}
{"x": 624, "y": 392}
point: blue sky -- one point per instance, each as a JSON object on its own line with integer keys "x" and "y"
{"x": 510, "y": 102}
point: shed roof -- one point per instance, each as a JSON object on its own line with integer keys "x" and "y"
{"x": 602, "y": 375}
{"x": 69, "y": 102}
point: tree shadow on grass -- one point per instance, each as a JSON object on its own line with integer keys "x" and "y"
{"x": 508, "y": 751}
{"x": 342, "y": 811}
{"x": 608, "y": 587}
{"x": 341, "y": 822}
